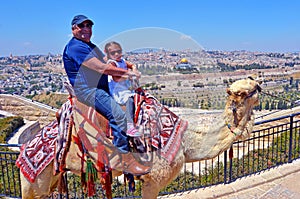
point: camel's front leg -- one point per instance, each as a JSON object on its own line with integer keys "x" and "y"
{"x": 150, "y": 189}
{"x": 160, "y": 177}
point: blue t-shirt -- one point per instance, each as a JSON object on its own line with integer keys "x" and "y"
{"x": 75, "y": 53}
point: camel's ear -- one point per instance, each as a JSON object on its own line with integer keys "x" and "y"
{"x": 250, "y": 77}
{"x": 228, "y": 91}
{"x": 257, "y": 79}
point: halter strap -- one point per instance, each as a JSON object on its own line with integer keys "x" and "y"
{"x": 230, "y": 128}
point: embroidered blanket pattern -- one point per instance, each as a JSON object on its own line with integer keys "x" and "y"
{"x": 48, "y": 144}
{"x": 36, "y": 154}
{"x": 64, "y": 119}
{"x": 159, "y": 127}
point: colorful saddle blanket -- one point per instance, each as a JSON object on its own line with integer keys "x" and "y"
{"x": 51, "y": 142}
{"x": 159, "y": 127}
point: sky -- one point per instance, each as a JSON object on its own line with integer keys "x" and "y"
{"x": 44, "y": 26}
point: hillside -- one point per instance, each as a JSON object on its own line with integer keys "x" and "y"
{"x": 51, "y": 99}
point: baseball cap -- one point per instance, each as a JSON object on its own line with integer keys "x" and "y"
{"x": 78, "y": 19}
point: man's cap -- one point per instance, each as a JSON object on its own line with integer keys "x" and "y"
{"x": 78, "y": 19}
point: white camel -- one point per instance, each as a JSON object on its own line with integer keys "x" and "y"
{"x": 235, "y": 123}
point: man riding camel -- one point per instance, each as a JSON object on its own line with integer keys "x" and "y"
{"x": 88, "y": 75}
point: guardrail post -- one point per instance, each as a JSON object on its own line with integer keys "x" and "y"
{"x": 225, "y": 167}
{"x": 230, "y": 165}
{"x": 291, "y": 138}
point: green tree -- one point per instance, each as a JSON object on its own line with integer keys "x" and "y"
{"x": 267, "y": 105}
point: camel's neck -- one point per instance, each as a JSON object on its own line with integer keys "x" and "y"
{"x": 201, "y": 145}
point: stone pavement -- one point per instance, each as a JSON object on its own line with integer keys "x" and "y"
{"x": 282, "y": 182}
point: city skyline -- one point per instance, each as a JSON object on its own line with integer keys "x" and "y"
{"x": 42, "y": 27}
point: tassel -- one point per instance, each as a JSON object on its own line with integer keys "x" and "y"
{"x": 106, "y": 181}
{"x": 83, "y": 182}
{"x": 105, "y": 170}
{"x": 231, "y": 153}
{"x": 91, "y": 177}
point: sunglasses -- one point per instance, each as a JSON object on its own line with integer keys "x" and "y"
{"x": 115, "y": 52}
{"x": 87, "y": 25}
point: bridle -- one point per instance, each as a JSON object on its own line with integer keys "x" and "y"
{"x": 234, "y": 105}
{"x": 257, "y": 88}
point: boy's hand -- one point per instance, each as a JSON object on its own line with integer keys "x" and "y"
{"x": 134, "y": 74}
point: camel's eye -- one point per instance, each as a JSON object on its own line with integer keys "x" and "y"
{"x": 241, "y": 93}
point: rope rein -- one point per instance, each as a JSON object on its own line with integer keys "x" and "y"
{"x": 276, "y": 97}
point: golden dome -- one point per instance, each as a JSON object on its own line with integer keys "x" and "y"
{"x": 183, "y": 60}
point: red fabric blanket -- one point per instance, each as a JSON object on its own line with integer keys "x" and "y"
{"x": 36, "y": 154}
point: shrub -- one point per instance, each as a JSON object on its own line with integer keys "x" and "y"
{"x": 8, "y": 126}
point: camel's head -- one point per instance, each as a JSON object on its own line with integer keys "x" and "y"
{"x": 242, "y": 97}
{"x": 244, "y": 92}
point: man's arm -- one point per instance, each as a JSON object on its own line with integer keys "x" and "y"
{"x": 97, "y": 65}
{"x": 116, "y": 78}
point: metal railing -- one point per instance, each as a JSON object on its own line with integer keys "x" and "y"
{"x": 10, "y": 185}
{"x": 272, "y": 143}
